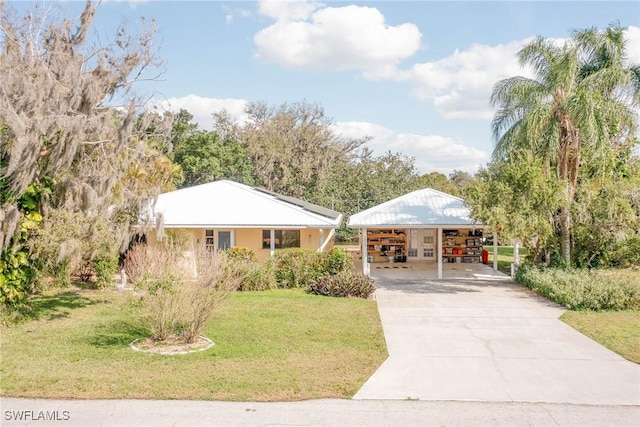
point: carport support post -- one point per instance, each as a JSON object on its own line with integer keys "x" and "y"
{"x": 495, "y": 250}
{"x": 439, "y": 238}
{"x": 272, "y": 242}
{"x": 363, "y": 251}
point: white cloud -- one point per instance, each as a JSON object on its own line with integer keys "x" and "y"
{"x": 460, "y": 85}
{"x": 307, "y": 35}
{"x": 432, "y": 153}
{"x": 203, "y": 108}
{"x": 283, "y": 10}
{"x": 632, "y": 37}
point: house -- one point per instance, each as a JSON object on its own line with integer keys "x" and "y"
{"x": 424, "y": 225}
{"x": 224, "y": 214}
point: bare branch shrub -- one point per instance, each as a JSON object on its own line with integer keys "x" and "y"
{"x": 184, "y": 289}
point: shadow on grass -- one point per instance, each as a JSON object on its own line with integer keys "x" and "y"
{"x": 118, "y": 333}
{"x": 55, "y": 307}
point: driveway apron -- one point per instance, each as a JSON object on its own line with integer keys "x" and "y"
{"x": 481, "y": 337}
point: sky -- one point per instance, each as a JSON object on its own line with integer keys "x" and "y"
{"x": 416, "y": 76}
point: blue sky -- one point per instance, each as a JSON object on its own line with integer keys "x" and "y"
{"x": 414, "y": 75}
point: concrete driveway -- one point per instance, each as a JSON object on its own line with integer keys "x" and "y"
{"x": 477, "y": 336}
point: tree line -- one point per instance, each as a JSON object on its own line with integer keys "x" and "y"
{"x": 77, "y": 170}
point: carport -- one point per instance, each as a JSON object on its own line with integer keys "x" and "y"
{"x": 422, "y": 226}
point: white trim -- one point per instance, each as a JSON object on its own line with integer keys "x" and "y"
{"x": 495, "y": 250}
{"x": 364, "y": 253}
{"x": 439, "y": 252}
{"x": 272, "y": 242}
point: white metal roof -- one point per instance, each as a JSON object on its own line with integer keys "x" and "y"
{"x": 223, "y": 203}
{"x": 425, "y": 207}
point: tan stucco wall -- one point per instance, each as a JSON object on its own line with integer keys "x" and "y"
{"x": 251, "y": 238}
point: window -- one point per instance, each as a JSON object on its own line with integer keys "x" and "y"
{"x": 224, "y": 240}
{"x": 208, "y": 240}
{"x": 283, "y": 239}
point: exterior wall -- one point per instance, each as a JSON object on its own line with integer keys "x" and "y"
{"x": 249, "y": 238}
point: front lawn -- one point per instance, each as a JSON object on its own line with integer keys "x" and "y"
{"x": 272, "y": 345}
{"x": 619, "y": 331}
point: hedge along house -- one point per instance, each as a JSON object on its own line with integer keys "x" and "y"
{"x": 424, "y": 225}
{"x": 224, "y": 214}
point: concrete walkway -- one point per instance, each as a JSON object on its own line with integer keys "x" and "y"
{"x": 477, "y": 336}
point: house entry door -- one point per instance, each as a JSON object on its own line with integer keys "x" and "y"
{"x": 422, "y": 243}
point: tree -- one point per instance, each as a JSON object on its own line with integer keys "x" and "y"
{"x": 291, "y": 147}
{"x": 438, "y": 181}
{"x": 59, "y": 135}
{"x": 363, "y": 182}
{"x": 577, "y": 109}
{"x": 517, "y": 198}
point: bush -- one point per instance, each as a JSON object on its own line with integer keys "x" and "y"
{"x": 105, "y": 266}
{"x": 241, "y": 253}
{"x": 256, "y": 276}
{"x": 182, "y": 290}
{"x": 625, "y": 253}
{"x": 336, "y": 261}
{"x": 296, "y": 267}
{"x": 581, "y": 289}
{"x": 347, "y": 284}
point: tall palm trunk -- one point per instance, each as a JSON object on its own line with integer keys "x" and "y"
{"x": 568, "y": 168}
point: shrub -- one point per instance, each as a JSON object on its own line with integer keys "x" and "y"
{"x": 299, "y": 267}
{"x": 336, "y": 261}
{"x": 183, "y": 290}
{"x": 241, "y": 253}
{"x": 257, "y": 276}
{"x": 296, "y": 267}
{"x": 581, "y": 289}
{"x": 105, "y": 266}
{"x": 625, "y": 253}
{"x": 345, "y": 284}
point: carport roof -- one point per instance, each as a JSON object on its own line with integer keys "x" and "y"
{"x": 426, "y": 207}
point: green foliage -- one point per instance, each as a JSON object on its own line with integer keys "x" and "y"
{"x": 574, "y": 117}
{"x": 18, "y": 272}
{"x": 299, "y": 267}
{"x": 256, "y": 276}
{"x": 625, "y": 253}
{"x": 296, "y": 267}
{"x": 106, "y": 266}
{"x": 348, "y": 284}
{"x": 16, "y": 277}
{"x": 581, "y": 289}
{"x": 518, "y": 199}
{"x": 336, "y": 261}
{"x": 241, "y": 253}
{"x": 353, "y": 185}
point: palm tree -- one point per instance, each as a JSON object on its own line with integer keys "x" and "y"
{"x": 577, "y": 109}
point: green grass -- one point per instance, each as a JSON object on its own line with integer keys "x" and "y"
{"x": 505, "y": 257}
{"x": 619, "y": 331}
{"x": 273, "y": 345}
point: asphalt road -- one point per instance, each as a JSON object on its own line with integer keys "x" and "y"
{"x": 394, "y": 413}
